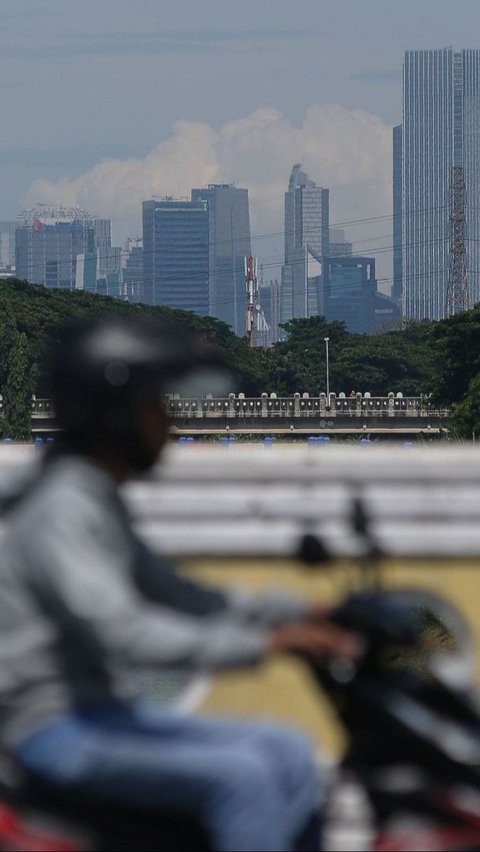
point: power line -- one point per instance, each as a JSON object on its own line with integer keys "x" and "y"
{"x": 314, "y": 229}
{"x": 274, "y": 264}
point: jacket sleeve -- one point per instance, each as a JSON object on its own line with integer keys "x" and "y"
{"x": 158, "y": 581}
{"x": 79, "y": 569}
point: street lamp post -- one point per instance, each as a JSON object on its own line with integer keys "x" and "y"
{"x": 326, "y": 339}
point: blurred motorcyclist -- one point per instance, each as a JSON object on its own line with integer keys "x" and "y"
{"x": 85, "y": 605}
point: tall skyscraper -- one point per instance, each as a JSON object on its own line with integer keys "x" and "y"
{"x": 108, "y": 256}
{"x": 397, "y": 288}
{"x": 229, "y": 244}
{"x": 103, "y": 232}
{"x": 132, "y": 270}
{"x": 441, "y": 128}
{"x": 7, "y": 244}
{"x": 48, "y": 244}
{"x": 306, "y": 244}
{"x": 86, "y": 273}
{"x": 176, "y": 254}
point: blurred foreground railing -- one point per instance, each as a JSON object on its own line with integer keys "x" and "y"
{"x": 214, "y": 501}
{"x": 260, "y": 502}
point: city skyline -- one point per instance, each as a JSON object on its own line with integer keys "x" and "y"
{"x": 163, "y": 97}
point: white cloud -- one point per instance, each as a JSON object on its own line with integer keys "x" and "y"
{"x": 348, "y": 151}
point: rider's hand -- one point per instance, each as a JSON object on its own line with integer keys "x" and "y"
{"x": 319, "y": 611}
{"x": 316, "y": 640}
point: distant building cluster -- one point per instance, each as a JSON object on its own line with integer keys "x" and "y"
{"x": 65, "y": 248}
{"x": 321, "y": 274}
{"x": 191, "y": 253}
{"x": 191, "y": 256}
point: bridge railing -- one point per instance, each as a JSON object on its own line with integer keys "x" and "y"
{"x": 267, "y": 407}
{"x": 42, "y": 408}
{"x": 275, "y": 407}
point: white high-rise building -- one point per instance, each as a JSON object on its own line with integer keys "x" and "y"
{"x": 441, "y": 128}
{"x": 306, "y": 244}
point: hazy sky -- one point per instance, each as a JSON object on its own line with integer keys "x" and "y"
{"x": 105, "y": 102}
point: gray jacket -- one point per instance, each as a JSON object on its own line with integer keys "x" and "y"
{"x": 85, "y": 605}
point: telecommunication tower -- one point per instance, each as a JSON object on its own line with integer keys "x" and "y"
{"x": 251, "y": 283}
{"x": 457, "y": 291}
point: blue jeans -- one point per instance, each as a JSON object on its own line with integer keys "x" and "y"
{"x": 253, "y": 785}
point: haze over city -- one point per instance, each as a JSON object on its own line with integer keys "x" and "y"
{"x": 105, "y": 104}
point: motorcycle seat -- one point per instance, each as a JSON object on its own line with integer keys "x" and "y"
{"x": 29, "y": 807}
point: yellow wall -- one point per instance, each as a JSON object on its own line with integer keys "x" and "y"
{"x": 283, "y": 689}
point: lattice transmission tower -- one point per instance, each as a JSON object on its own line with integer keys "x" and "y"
{"x": 457, "y": 291}
{"x": 251, "y": 282}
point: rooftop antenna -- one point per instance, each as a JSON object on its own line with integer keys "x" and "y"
{"x": 251, "y": 283}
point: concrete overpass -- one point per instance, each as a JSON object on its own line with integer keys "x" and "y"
{"x": 302, "y": 415}
{"x": 305, "y": 415}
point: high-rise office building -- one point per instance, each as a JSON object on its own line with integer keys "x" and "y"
{"x": 48, "y": 244}
{"x": 229, "y": 244}
{"x": 441, "y": 128}
{"x": 351, "y": 285}
{"x": 176, "y": 254}
{"x": 339, "y": 245}
{"x": 86, "y": 273}
{"x": 269, "y": 299}
{"x": 7, "y": 244}
{"x": 132, "y": 270}
{"x": 397, "y": 288}
{"x": 103, "y": 232}
{"x": 108, "y": 257}
{"x": 306, "y": 244}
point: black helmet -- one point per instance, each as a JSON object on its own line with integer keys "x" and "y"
{"x": 100, "y": 371}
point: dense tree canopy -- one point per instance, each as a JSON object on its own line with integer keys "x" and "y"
{"x": 457, "y": 344}
{"x": 39, "y": 313}
{"x": 442, "y": 359}
{"x": 398, "y": 361}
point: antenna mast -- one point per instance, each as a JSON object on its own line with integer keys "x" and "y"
{"x": 251, "y": 283}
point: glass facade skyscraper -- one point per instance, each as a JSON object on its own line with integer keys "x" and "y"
{"x": 441, "y": 128}
{"x": 351, "y": 292}
{"x": 7, "y": 244}
{"x": 132, "y": 259}
{"x": 397, "y": 289}
{"x": 176, "y": 254}
{"x": 48, "y": 245}
{"x": 306, "y": 244}
{"x": 229, "y": 245}
{"x": 194, "y": 253}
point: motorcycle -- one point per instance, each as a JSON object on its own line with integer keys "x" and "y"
{"x": 37, "y": 818}
{"x": 408, "y": 707}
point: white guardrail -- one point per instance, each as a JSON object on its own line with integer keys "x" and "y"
{"x": 256, "y": 501}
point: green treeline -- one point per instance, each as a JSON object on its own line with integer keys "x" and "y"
{"x": 439, "y": 359}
